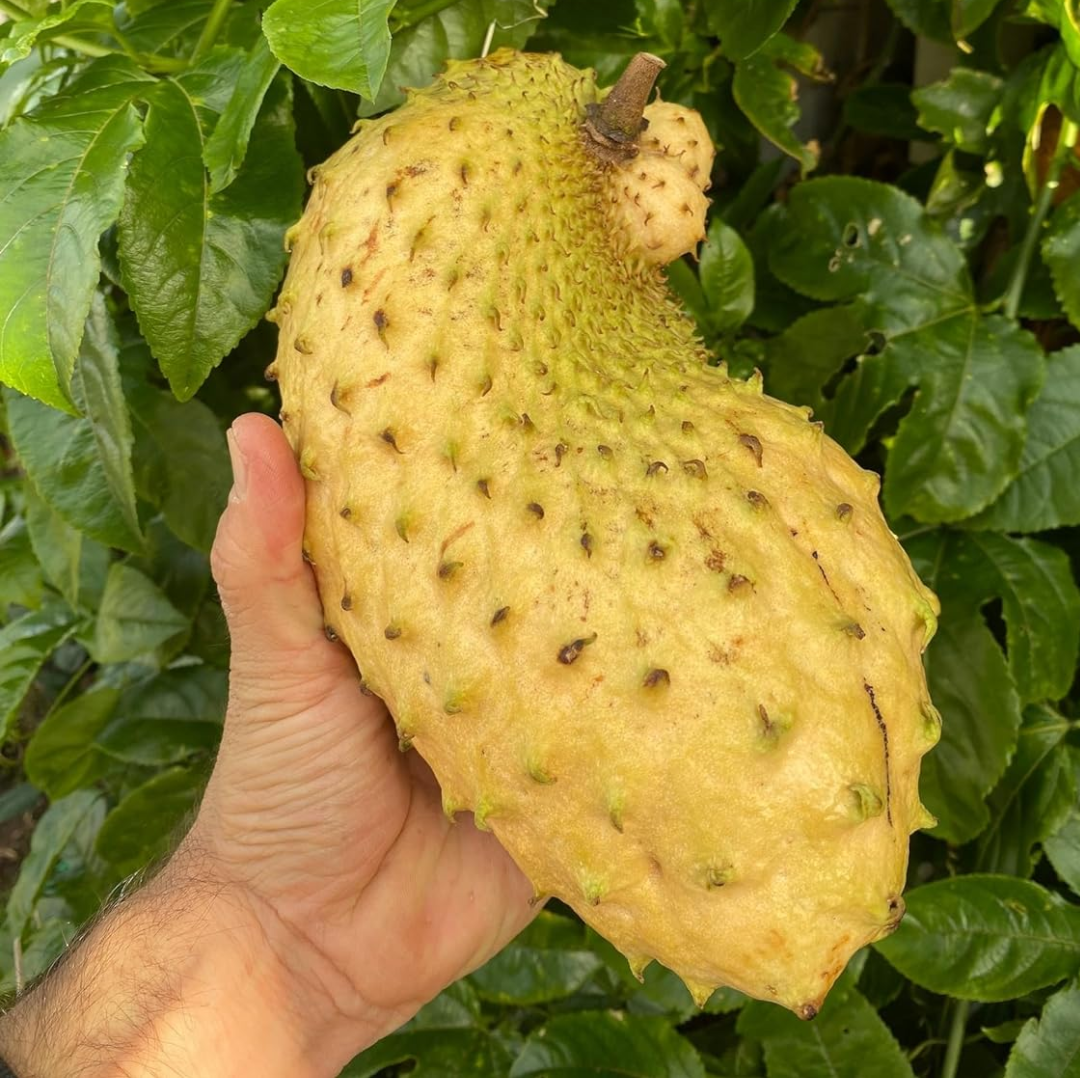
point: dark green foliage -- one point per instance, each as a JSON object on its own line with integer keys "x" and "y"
{"x": 920, "y": 291}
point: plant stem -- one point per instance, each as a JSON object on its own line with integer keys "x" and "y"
{"x": 1066, "y": 142}
{"x": 212, "y": 28}
{"x": 956, "y": 1039}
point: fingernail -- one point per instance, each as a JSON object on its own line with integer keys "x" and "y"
{"x": 239, "y": 469}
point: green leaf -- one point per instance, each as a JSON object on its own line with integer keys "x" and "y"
{"x": 62, "y": 455}
{"x": 61, "y": 756}
{"x": 26, "y": 33}
{"x": 99, "y": 396}
{"x": 727, "y": 278}
{"x": 173, "y": 28}
{"x": 62, "y": 174}
{"x": 20, "y": 575}
{"x": 744, "y": 27}
{"x": 1050, "y": 1045}
{"x": 226, "y": 148}
{"x": 72, "y": 563}
{"x": 419, "y": 51}
{"x": 1069, "y": 25}
{"x": 960, "y": 444}
{"x": 57, "y": 827}
{"x": 970, "y": 684}
{"x": 520, "y": 975}
{"x": 768, "y": 94}
{"x": 134, "y": 619}
{"x": 969, "y": 15}
{"x": 961, "y": 108}
{"x": 847, "y": 1038}
{"x": 167, "y": 718}
{"x": 1033, "y": 798}
{"x": 18, "y": 800}
{"x": 344, "y": 44}
{"x": 1044, "y": 494}
{"x": 142, "y": 827}
{"x": 801, "y": 360}
{"x": 930, "y": 18}
{"x": 607, "y": 1044}
{"x": 1061, "y": 249}
{"x": 25, "y": 644}
{"x": 1041, "y": 604}
{"x": 985, "y": 938}
{"x": 1063, "y": 848}
{"x": 181, "y": 462}
{"x": 201, "y": 269}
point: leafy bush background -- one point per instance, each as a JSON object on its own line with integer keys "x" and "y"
{"x": 905, "y": 258}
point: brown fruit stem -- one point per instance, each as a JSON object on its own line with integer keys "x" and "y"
{"x": 613, "y": 127}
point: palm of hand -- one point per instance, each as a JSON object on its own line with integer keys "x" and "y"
{"x": 312, "y": 805}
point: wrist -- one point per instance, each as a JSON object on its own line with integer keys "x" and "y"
{"x": 188, "y": 976}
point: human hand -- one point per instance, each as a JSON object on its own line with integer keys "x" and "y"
{"x": 338, "y": 837}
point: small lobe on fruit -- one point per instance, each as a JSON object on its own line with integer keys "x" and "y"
{"x": 569, "y": 653}
{"x": 346, "y": 603}
{"x": 854, "y": 630}
{"x": 656, "y": 467}
{"x": 330, "y": 632}
{"x": 844, "y": 512}
{"x": 696, "y": 468}
{"x": 392, "y": 632}
{"x": 737, "y": 583}
{"x": 536, "y": 510}
{"x": 604, "y": 451}
{"x": 687, "y": 427}
{"x": 657, "y": 677}
{"x": 448, "y": 569}
{"x": 807, "y": 1012}
{"x": 757, "y": 500}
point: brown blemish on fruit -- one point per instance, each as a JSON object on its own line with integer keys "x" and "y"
{"x": 387, "y": 435}
{"x": 270, "y": 374}
{"x": 737, "y": 583}
{"x": 855, "y": 630}
{"x": 757, "y": 500}
{"x": 560, "y": 449}
{"x": 687, "y": 427}
{"x": 587, "y": 543}
{"x": 657, "y": 677}
{"x": 392, "y": 632}
{"x": 374, "y": 383}
{"x": 330, "y": 632}
{"x": 695, "y": 467}
{"x": 448, "y": 569}
{"x": 883, "y": 728}
{"x": 844, "y": 512}
{"x": 715, "y": 561}
{"x": 656, "y": 467}
{"x": 483, "y": 488}
{"x": 346, "y": 277}
{"x": 500, "y": 616}
{"x": 346, "y": 603}
{"x": 656, "y": 550}
{"x": 536, "y": 510}
{"x": 753, "y": 444}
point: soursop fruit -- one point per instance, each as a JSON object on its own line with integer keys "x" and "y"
{"x": 647, "y": 624}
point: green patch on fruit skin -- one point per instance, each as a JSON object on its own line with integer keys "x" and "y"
{"x": 866, "y": 802}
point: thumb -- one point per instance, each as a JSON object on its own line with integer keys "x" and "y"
{"x": 281, "y": 658}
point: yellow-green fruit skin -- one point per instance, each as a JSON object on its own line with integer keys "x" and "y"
{"x": 647, "y": 623}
